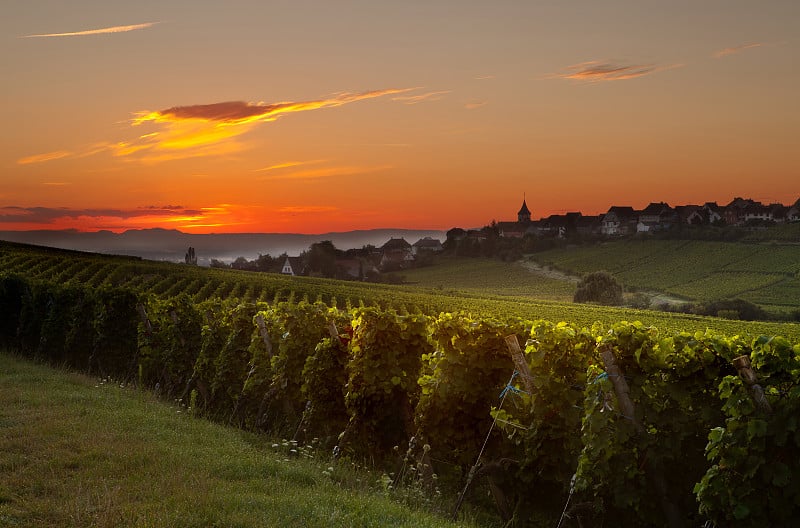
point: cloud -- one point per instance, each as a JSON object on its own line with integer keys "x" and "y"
{"x": 326, "y": 172}
{"x": 303, "y": 209}
{"x": 240, "y": 113}
{"x": 598, "y": 71}
{"x": 49, "y": 215}
{"x": 472, "y": 105}
{"x": 414, "y": 99}
{"x": 288, "y": 165}
{"x": 101, "y": 31}
{"x": 47, "y": 156}
{"x": 736, "y": 49}
{"x": 203, "y": 130}
{"x": 484, "y": 77}
{"x": 211, "y": 129}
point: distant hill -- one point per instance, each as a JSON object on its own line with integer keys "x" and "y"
{"x": 171, "y": 245}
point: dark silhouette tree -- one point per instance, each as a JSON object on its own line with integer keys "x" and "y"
{"x": 599, "y": 287}
{"x": 190, "y": 257}
{"x": 321, "y": 258}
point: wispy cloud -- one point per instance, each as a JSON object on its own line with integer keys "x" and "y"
{"x": 204, "y": 130}
{"x": 288, "y": 165}
{"x": 304, "y": 209}
{"x": 472, "y": 105}
{"x": 240, "y": 113}
{"x": 599, "y": 71}
{"x": 49, "y": 215}
{"x": 47, "y": 156}
{"x": 484, "y": 77}
{"x": 100, "y": 31}
{"x": 414, "y": 99}
{"x": 736, "y": 49}
{"x": 326, "y": 172}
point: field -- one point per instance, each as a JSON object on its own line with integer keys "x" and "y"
{"x": 134, "y": 461}
{"x": 766, "y": 274}
{"x": 497, "y": 296}
{"x": 480, "y": 275}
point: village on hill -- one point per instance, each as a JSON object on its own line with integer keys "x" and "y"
{"x": 509, "y": 240}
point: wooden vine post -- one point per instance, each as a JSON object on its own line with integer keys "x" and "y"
{"x": 145, "y": 320}
{"x": 519, "y": 362}
{"x": 333, "y": 331}
{"x": 262, "y": 328}
{"x": 745, "y": 370}
{"x": 628, "y": 410}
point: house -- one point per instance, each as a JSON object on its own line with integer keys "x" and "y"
{"x": 793, "y": 214}
{"x": 396, "y": 254}
{"x": 683, "y": 212}
{"x": 709, "y": 213}
{"x": 655, "y": 212}
{"x": 734, "y": 212}
{"x": 426, "y": 245}
{"x": 293, "y": 266}
{"x": 588, "y": 225}
{"x": 757, "y": 212}
{"x": 477, "y": 235}
{"x": 511, "y": 229}
{"x": 619, "y": 220}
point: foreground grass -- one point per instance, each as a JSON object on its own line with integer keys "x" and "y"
{"x": 78, "y": 452}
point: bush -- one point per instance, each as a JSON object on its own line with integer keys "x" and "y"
{"x": 600, "y": 287}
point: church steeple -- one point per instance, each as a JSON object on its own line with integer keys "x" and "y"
{"x": 524, "y": 214}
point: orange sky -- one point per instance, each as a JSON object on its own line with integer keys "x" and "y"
{"x": 314, "y": 116}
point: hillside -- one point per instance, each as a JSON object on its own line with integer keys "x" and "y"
{"x": 135, "y": 461}
{"x": 766, "y": 274}
{"x": 165, "y": 280}
{"x": 481, "y": 275}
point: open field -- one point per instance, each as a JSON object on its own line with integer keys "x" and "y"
{"x": 766, "y": 274}
{"x": 162, "y": 279}
{"x": 481, "y": 275}
{"x": 75, "y": 451}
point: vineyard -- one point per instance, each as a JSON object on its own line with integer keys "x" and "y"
{"x": 165, "y": 280}
{"x": 766, "y": 274}
{"x": 621, "y": 424}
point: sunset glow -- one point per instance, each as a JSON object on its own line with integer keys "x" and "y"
{"x": 314, "y": 117}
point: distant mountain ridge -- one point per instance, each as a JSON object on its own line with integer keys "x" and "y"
{"x": 171, "y": 244}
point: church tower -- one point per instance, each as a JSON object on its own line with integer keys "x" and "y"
{"x": 524, "y": 214}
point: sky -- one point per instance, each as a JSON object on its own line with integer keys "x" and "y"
{"x": 313, "y": 116}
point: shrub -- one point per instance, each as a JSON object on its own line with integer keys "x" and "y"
{"x": 600, "y": 287}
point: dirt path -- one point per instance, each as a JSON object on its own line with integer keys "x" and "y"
{"x": 656, "y": 297}
{"x": 547, "y": 271}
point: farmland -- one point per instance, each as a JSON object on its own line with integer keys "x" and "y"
{"x": 497, "y": 295}
{"x": 226, "y": 346}
{"x": 765, "y": 274}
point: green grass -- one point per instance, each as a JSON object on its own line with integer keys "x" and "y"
{"x": 765, "y": 274}
{"x": 489, "y": 275}
{"x": 78, "y": 452}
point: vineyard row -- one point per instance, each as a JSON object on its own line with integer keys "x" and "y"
{"x": 623, "y": 422}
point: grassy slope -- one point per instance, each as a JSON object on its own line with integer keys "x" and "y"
{"x": 74, "y": 452}
{"x": 478, "y": 275}
{"x": 767, "y": 274}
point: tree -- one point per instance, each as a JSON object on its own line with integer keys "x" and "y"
{"x": 190, "y": 257}
{"x": 599, "y": 287}
{"x": 321, "y": 258}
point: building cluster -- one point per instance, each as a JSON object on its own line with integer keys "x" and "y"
{"x": 397, "y": 253}
{"x": 625, "y": 220}
{"x": 360, "y": 264}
